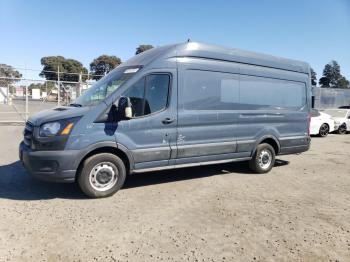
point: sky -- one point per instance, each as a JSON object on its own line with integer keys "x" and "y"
{"x": 315, "y": 31}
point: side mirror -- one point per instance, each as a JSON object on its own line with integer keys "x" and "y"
{"x": 124, "y": 107}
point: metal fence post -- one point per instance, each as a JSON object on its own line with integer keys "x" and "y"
{"x": 8, "y": 94}
{"x": 26, "y": 118}
{"x": 80, "y": 83}
{"x": 27, "y": 102}
{"x": 58, "y": 86}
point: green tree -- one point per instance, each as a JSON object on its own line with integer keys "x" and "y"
{"x": 343, "y": 82}
{"x": 11, "y": 75}
{"x": 324, "y": 81}
{"x": 103, "y": 65}
{"x": 313, "y": 77}
{"x": 69, "y": 69}
{"x": 332, "y": 76}
{"x": 143, "y": 48}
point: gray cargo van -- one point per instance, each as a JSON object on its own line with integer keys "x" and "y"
{"x": 170, "y": 107}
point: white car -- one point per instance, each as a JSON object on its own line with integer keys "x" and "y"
{"x": 321, "y": 123}
{"x": 341, "y": 119}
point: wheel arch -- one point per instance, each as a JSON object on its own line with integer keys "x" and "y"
{"x": 271, "y": 140}
{"x": 105, "y": 147}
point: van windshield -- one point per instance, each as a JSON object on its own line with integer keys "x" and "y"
{"x": 105, "y": 87}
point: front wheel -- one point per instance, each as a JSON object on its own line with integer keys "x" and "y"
{"x": 263, "y": 159}
{"x": 324, "y": 130}
{"x": 342, "y": 129}
{"x": 102, "y": 175}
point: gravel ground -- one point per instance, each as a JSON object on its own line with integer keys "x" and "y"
{"x": 300, "y": 211}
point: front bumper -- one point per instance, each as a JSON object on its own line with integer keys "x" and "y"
{"x": 52, "y": 166}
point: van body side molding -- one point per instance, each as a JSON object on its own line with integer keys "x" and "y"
{"x": 176, "y": 166}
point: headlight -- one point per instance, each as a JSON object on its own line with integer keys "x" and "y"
{"x": 62, "y": 127}
{"x": 50, "y": 129}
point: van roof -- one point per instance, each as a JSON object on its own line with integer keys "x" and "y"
{"x": 207, "y": 51}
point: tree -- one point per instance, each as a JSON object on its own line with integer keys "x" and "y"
{"x": 343, "y": 83}
{"x": 10, "y": 73}
{"x": 143, "y": 48}
{"x": 67, "y": 68}
{"x": 103, "y": 65}
{"x": 313, "y": 77}
{"x": 332, "y": 76}
{"x": 324, "y": 81}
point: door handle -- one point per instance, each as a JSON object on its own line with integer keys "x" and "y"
{"x": 168, "y": 120}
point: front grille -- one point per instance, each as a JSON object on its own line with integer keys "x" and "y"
{"x": 28, "y": 134}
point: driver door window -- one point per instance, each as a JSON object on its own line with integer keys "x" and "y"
{"x": 149, "y": 95}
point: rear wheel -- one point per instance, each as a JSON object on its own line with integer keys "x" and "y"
{"x": 342, "y": 129}
{"x": 102, "y": 175}
{"x": 263, "y": 159}
{"x": 324, "y": 130}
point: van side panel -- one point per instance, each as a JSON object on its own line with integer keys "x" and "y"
{"x": 286, "y": 120}
{"x": 252, "y": 102}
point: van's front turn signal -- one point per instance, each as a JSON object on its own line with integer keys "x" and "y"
{"x": 67, "y": 129}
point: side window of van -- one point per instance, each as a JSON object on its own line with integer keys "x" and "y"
{"x": 264, "y": 93}
{"x": 149, "y": 95}
{"x": 156, "y": 93}
{"x": 136, "y": 93}
{"x": 207, "y": 90}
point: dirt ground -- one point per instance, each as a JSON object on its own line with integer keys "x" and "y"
{"x": 300, "y": 211}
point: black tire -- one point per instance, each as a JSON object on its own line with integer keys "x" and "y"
{"x": 342, "y": 129}
{"x": 324, "y": 130}
{"x": 257, "y": 162}
{"x": 107, "y": 177}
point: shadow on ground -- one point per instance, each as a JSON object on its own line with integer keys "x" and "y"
{"x": 16, "y": 184}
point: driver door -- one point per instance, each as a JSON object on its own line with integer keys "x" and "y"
{"x": 151, "y": 132}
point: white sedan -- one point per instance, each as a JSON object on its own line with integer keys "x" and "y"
{"x": 341, "y": 118}
{"x": 321, "y": 123}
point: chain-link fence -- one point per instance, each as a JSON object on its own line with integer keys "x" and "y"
{"x": 22, "y": 97}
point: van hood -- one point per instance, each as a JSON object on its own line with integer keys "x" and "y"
{"x": 57, "y": 113}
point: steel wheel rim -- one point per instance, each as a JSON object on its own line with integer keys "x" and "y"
{"x": 324, "y": 130}
{"x": 265, "y": 159}
{"x": 103, "y": 176}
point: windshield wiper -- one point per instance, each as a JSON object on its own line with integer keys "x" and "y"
{"x": 75, "y": 105}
